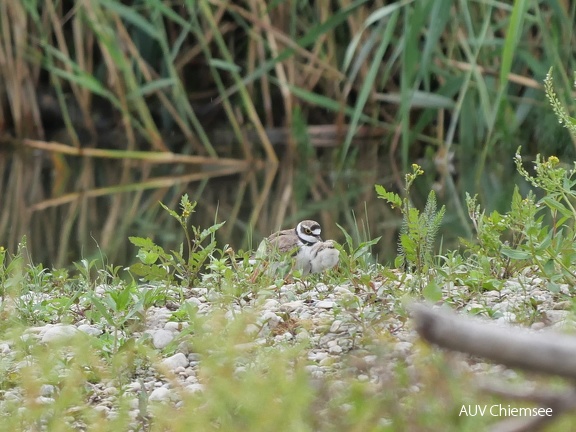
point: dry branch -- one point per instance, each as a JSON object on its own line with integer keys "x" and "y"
{"x": 546, "y": 351}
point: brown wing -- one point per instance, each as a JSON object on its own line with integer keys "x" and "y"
{"x": 284, "y": 241}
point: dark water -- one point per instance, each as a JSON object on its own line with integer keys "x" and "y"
{"x": 70, "y": 208}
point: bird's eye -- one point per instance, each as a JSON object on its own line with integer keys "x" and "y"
{"x": 307, "y": 231}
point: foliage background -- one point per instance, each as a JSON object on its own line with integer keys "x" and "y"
{"x": 266, "y": 112}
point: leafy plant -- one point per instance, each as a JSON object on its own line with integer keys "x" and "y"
{"x": 356, "y": 259}
{"x": 158, "y": 265}
{"x": 419, "y": 229}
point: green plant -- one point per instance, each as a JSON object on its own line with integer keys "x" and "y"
{"x": 534, "y": 232}
{"x": 158, "y": 265}
{"x": 419, "y": 229}
{"x": 356, "y": 259}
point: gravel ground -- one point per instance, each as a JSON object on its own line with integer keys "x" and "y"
{"x": 348, "y": 332}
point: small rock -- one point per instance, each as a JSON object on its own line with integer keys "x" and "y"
{"x": 335, "y": 326}
{"x": 325, "y": 304}
{"x": 302, "y": 335}
{"x": 175, "y": 326}
{"x": 335, "y": 349}
{"x": 271, "y": 305}
{"x": 162, "y": 338}
{"x": 195, "y": 388}
{"x": 59, "y": 332}
{"x": 90, "y": 330}
{"x": 252, "y": 329}
{"x": 160, "y": 394}
{"x": 101, "y": 409}
{"x": 134, "y": 386}
{"x": 110, "y": 391}
{"x": 557, "y": 315}
{"x": 317, "y": 356}
{"x": 271, "y": 319}
{"x": 293, "y": 305}
{"x": 175, "y": 361}
{"x": 47, "y": 390}
{"x": 403, "y": 347}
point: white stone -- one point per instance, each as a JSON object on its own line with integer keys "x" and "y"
{"x": 110, "y": 391}
{"x": 403, "y": 347}
{"x": 335, "y": 349}
{"x": 271, "y": 304}
{"x": 134, "y": 386}
{"x": 175, "y": 361}
{"x": 252, "y": 329}
{"x": 335, "y": 326}
{"x": 325, "y": 304}
{"x": 90, "y": 330}
{"x": 175, "y": 326}
{"x": 195, "y": 388}
{"x": 557, "y": 315}
{"x": 160, "y": 394}
{"x": 292, "y": 305}
{"x": 302, "y": 335}
{"x": 318, "y": 356}
{"x": 161, "y": 338}
{"x": 58, "y": 332}
{"x": 102, "y": 409}
{"x": 271, "y": 319}
{"x": 47, "y": 390}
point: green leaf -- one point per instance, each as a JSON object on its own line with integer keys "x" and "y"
{"x": 148, "y": 272}
{"x": 121, "y": 297}
{"x": 142, "y": 242}
{"x": 394, "y": 199}
{"x": 432, "y": 292}
{"x": 147, "y": 257}
{"x": 515, "y": 253}
{"x": 209, "y": 231}
{"x": 347, "y": 236}
{"x": 172, "y": 213}
{"x": 103, "y": 309}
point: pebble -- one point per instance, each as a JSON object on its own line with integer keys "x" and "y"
{"x": 160, "y": 394}
{"x": 175, "y": 326}
{"x": 337, "y": 339}
{"x": 90, "y": 329}
{"x": 292, "y": 305}
{"x": 59, "y": 332}
{"x": 47, "y": 390}
{"x": 335, "y": 327}
{"x": 556, "y": 316}
{"x": 161, "y": 338}
{"x": 175, "y": 361}
{"x": 325, "y": 304}
{"x": 335, "y": 349}
{"x": 195, "y": 388}
{"x": 271, "y": 319}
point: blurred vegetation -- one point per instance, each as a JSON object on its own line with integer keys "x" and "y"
{"x": 266, "y": 112}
